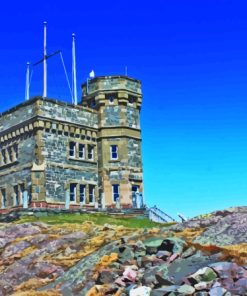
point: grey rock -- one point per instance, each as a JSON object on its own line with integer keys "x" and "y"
{"x": 164, "y": 290}
{"x": 205, "y": 274}
{"x": 163, "y": 254}
{"x": 173, "y": 244}
{"x": 14, "y": 249}
{"x": 189, "y": 252}
{"x": 186, "y": 290}
{"x": 152, "y": 244}
{"x": 127, "y": 255}
{"x": 106, "y": 277}
{"x": 217, "y": 291}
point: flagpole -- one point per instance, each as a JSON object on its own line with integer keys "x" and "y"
{"x": 45, "y": 64}
{"x": 74, "y": 95}
{"x": 27, "y": 82}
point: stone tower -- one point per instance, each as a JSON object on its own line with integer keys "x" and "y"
{"x": 118, "y": 102}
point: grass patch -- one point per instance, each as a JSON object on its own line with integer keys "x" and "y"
{"x": 97, "y": 218}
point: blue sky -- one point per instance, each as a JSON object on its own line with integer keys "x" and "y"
{"x": 192, "y": 59}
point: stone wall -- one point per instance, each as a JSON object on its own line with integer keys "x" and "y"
{"x": 16, "y": 117}
{"x": 112, "y": 116}
{"x": 61, "y": 169}
{"x": 134, "y": 153}
{"x": 57, "y": 179}
{"x": 63, "y": 112}
{"x": 8, "y": 182}
{"x": 132, "y": 117}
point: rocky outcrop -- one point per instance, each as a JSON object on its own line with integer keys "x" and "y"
{"x": 86, "y": 259}
{"x": 221, "y": 228}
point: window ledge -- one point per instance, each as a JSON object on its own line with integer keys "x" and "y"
{"x": 6, "y": 165}
{"x": 82, "y": 160}
{"x": 114, "y": 160}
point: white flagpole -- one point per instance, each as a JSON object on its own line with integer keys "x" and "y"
{"x": 45, "y": 64}
{"x": 27, "y": 82}
{"x": 74, "y": 95}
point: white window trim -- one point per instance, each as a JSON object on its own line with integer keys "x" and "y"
{"x": 84, "y": 150}
{"x": 84, "y": 202}
{"x": 92, "y": 150}
{"x": 2, "y": 199}
{"x": 75, "y": 193}
{"x": 74, "y": 149}
{"x": 92, "y": 202}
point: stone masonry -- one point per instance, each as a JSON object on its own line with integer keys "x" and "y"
{"x": 54, "y": 154}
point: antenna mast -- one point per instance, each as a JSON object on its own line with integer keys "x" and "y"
{"x": 45, "y": 64}
{"x": 27, "y": 82}
{"x": 74, "y": 94}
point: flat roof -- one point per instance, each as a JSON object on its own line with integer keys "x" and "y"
{"x": 36, "y": 98}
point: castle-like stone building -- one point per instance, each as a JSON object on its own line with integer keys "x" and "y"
{"x": 54, "y": 154}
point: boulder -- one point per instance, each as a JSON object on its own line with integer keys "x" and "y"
{"x": 217, "y": 291}
{"x": 163, "y": 254}
{"x": 186, "y": 290}
{"x": 173, "y": 245}
{"x": 152, "y": 244}
{"x": 130, "y": 274}
{"x": 162, "y": 276}
{"x": 203, "y": 286}
{"x": 189, "y": 252}
{"x": 164, "y": 290}
{"x": 106, "y": 276}
{"x": 140, "y": 291}
{"x": 205, "y": 274}
{"x": 228, "y": 270}
{"x": 241, "y": 286}
{"x": 126, "y": 255}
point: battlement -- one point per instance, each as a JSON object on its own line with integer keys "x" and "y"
{"x": 111, "y": 83}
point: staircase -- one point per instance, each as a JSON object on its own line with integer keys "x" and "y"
{"x": 157, "y": 215}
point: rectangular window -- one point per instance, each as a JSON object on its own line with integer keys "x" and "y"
{"x": 10, "y": 154}
{"x": 91, "y": 193}
{"x": 72, "y": 192}
{"x": 16, "y": 201}
{"x": 3, "y": 198}
{"x": 82, "y": 193}
{"x": 1, "y": 158}
{"x": 72, "y": 149}
{"x": 21, "y": 188}
{"x": 90, "y": 152}
{"x": 81, "y": 151}
{"x": 4, "y": 160}
{"x": 114, "y": 152}
{"x": 115, "y": 192}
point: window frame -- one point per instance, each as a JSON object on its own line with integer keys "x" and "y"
{"x": 16, "y": 192}
{"x": 91, "y": 186}
{"x": 3, "y": 197}
{"x": 115, "y": 193}
{"x": 90, "y": 148}
{"x": 74, "y": 149}
{"x": 112, "y": 152}
{"x": 83, "y": 150}
{"x": 74, "y": 193}
{"x": 84, "y": 193}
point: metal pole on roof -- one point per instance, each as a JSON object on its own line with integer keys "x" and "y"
{"x": 45, "y": 64}
{"x": 74, "y": 95}
{"x": 27, "y": 82}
